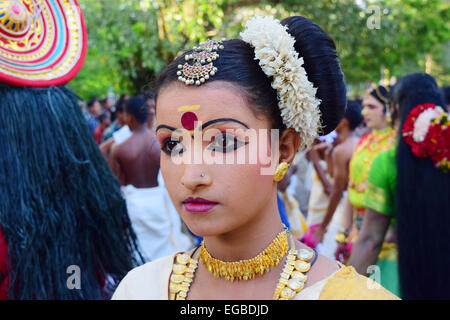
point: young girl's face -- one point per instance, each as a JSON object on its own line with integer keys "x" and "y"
{"x": 373, "y": 113}
{"x": 213, "y": 120}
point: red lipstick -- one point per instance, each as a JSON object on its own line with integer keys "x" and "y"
{"x": 198, "y": 204}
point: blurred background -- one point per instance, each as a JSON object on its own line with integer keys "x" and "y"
{"x": 130, "y": 41}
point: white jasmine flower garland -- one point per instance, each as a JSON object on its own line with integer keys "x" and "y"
{"x": 423, "y": 121}
{"x": 274, "y": 48}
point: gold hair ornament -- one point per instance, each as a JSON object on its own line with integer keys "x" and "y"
{"x": 385, "y": 99}
{"x": 202, "y": 68}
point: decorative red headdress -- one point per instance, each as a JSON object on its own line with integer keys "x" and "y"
{"x": 426, "y": 130}
{"x": 42, "y": 42}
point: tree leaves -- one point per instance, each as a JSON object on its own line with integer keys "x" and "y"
{"x": 130, "y": 41}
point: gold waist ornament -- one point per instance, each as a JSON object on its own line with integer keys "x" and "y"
{"x": 247, "y": 269}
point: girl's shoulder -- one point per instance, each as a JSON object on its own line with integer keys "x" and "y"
{"x": 331, "y": 280}
{"x": 149, "y": 281}
{"x": 347, "y": 284}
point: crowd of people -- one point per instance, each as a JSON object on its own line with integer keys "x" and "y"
{"x": 348, "y": 193}
{"x": 353, "y": 205}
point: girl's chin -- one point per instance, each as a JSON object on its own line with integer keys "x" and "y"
{"x": 206, "y": 228}
{"x": 205, "y": 232}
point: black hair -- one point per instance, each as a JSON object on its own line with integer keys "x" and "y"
{"x": 353, "y": 114}
{"x": 358, "y": 100}
{"x": 120, "y": 106}
{"x": 102, "y": 116}
{"x": 382, "y": 94}
{"x": 149, "y": 94}
{"x": 60, "y": 203}
{"x": 138, "y": 108}
{"x": 92, "y": 101}
{"x": 446, "y": 93}
{"x": 422, "y": 204}
{"x": 237, "y": 64}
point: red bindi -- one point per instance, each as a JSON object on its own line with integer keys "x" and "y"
{"x": 188, "y": 120}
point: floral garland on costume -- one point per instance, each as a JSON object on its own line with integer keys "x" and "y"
{"x": 274, "y": 48}
{"x": 366, "y": 151}
{"x": 426, "y": 131}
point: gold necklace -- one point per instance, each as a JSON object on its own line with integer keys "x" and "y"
{"x": 292, "y": 279}
{"x": 247, "y": 269}
{"x": 291, "y": 282}
{"x": 182, "y": 275}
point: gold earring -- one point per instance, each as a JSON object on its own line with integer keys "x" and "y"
{"x": 388, "y": 115}
{"x": 281, "y": 171}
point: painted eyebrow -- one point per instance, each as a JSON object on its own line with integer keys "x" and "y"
{"x": 222, "y": 120}
{"x": 163, "y": 126}
{"x": 211, "y": 122}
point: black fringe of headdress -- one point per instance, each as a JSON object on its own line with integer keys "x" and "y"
{"x": 60, "y": 205}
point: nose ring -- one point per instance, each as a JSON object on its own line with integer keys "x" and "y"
{"x": 202, "y": 175}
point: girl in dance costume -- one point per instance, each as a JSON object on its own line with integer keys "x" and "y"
{"x": 221, "y": 100}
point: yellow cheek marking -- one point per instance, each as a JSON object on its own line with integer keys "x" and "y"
{"x": 188, "y": 108}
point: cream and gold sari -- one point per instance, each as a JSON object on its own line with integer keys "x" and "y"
{"x": 151, "y": 282}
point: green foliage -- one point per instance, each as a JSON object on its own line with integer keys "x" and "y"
{"x": 130, "y": 41}
{"x": 98, "y": 76}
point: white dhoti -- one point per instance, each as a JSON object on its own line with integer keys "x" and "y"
{"x": 318, "y": 205}
{"x": 329, "y": 244}
{"x": 156, "y": 222}
{"x": 318, "y": 201}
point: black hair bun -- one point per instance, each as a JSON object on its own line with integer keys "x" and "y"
{"x": 322, "y": 68}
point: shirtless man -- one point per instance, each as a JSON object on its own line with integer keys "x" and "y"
{"x": 136, "y": 160}
{"x": 341, "y": 157}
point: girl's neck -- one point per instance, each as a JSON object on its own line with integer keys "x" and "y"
{"x": 381, "y": 127}
{"x": 248, "y": 240}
